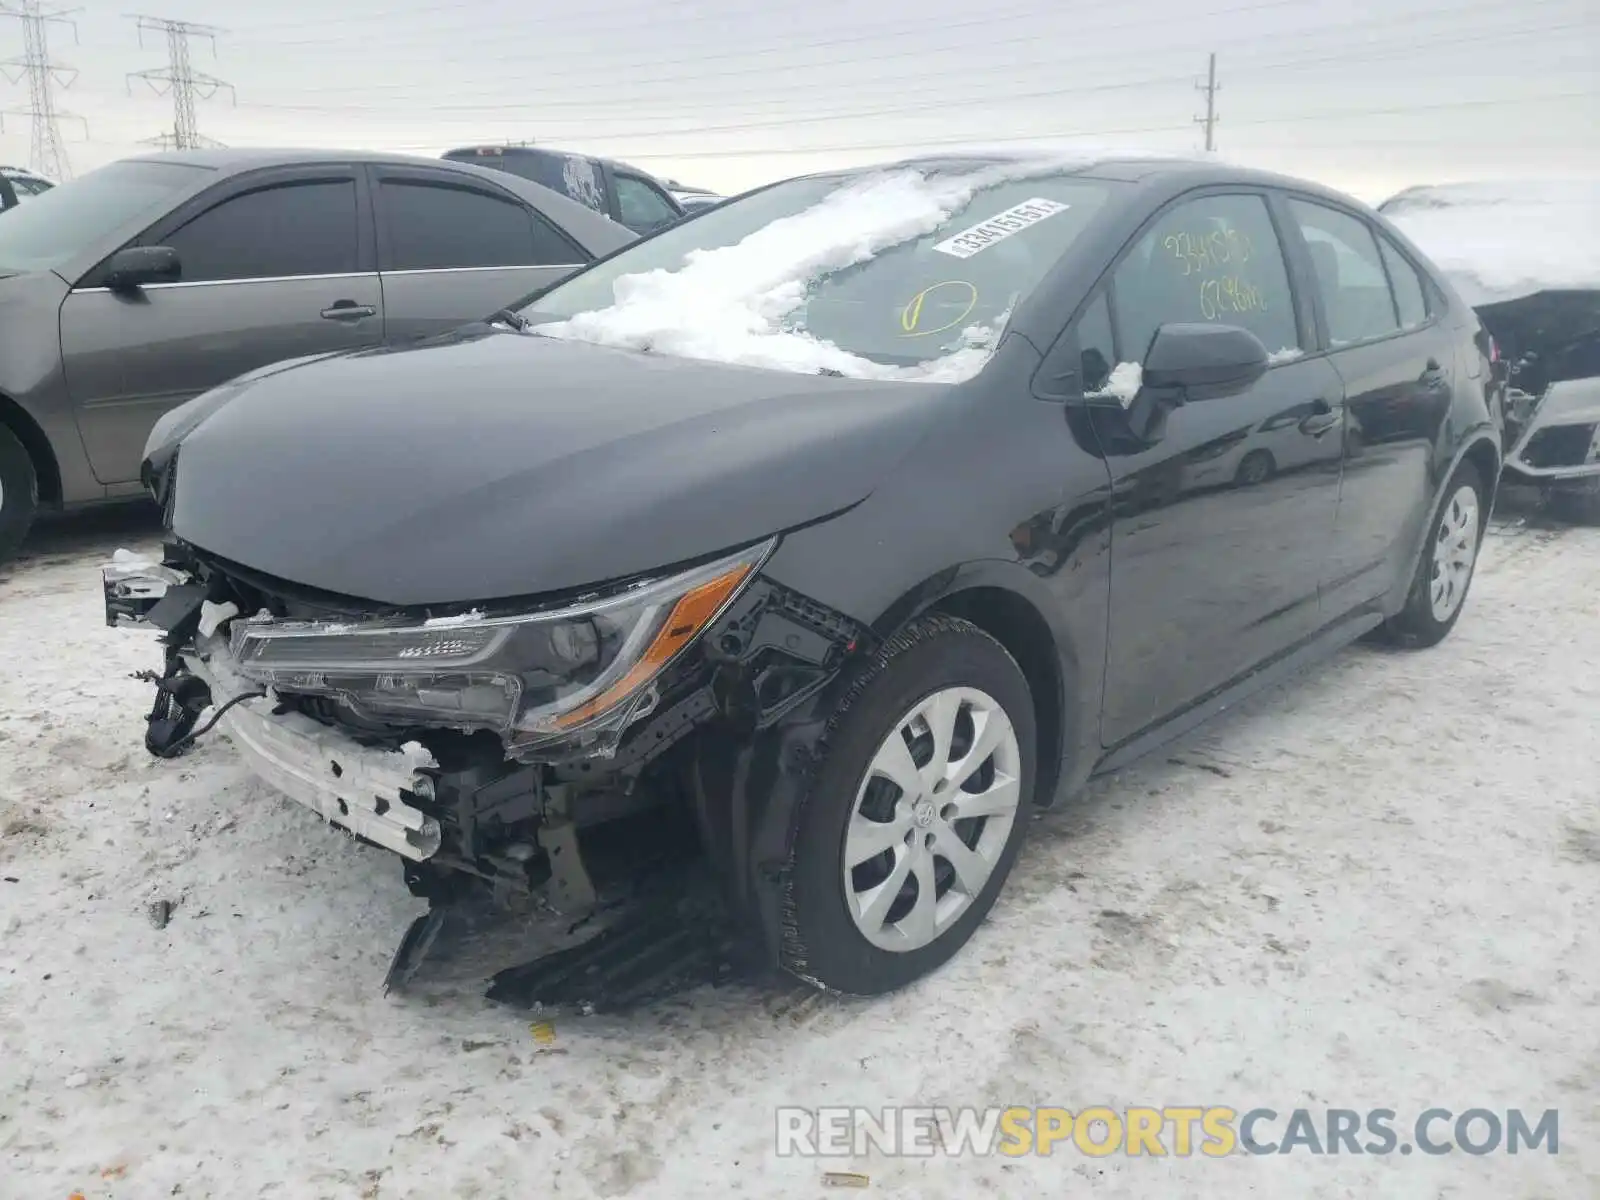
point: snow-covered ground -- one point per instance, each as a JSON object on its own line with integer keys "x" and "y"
{"x": 1373, "y": 887}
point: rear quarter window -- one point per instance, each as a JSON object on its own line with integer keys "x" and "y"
{"x": 572, "y": 175}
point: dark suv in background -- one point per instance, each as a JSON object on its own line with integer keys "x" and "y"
{"x": 146, "y": 282}
{"x": 625, "y": 194}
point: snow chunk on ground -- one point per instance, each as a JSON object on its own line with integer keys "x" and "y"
{"x": 1501, "y": 241}
{"x": 730, "y": 303}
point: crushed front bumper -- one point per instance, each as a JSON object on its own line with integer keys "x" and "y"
{"x": 369, "y": 791}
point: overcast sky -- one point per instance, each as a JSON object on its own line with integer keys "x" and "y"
{"x": 730, "y": 93}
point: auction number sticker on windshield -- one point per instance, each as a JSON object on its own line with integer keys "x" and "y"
{"x": 999, "y": 227}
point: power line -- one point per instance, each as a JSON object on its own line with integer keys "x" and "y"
{"x": 901, "y": 110}
{"x": 949, "y": 103}
{"x": 49, "y": 153}
{"x": 594, "y": 73}
{"x": 586, "y": 76}
{"x": 1209, "y": 87}
{"x": 180, "y": 79}
{"x": 913, "y": 145}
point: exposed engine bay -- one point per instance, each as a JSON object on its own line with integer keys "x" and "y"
{"x": 607, "y": 821}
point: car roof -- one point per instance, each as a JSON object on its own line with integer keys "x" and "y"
{"x": 503, "y": 149}
{"x": 599, "y": 234}
{"x": 245, "y": 158}
{"x": 1181, "y": 171}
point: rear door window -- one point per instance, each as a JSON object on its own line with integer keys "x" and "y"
{"x": 1409, "y": 297}
{"x": 1349, "y": 273}
{"x": 438, "y": 226}
{"x": 1211, "y": 260}
{"x": 289, "y": 229}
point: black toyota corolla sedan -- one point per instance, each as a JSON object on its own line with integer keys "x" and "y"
{"x": 844, "y": 524}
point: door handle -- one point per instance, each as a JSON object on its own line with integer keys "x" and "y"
{"x": 348, "y": 310}
{"x": 1324, "y": 416}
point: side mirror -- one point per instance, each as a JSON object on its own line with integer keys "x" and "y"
{"x": 134, "y": 266}
{"x": 1203, "y": 362}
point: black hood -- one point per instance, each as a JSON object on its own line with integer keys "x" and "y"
{"x": 495, "y": 464}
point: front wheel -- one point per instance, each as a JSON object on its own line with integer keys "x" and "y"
{"x": 916, "y": 813}
{"x": 1445, "y": 573}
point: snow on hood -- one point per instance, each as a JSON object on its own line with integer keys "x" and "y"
{"x": 1502, "y": 241}
{"x": 730, "y": 303}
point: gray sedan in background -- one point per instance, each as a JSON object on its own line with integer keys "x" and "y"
{"x": 150, "y": 280}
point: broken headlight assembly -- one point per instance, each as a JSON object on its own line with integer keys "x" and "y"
{"x": 578, "y": 674}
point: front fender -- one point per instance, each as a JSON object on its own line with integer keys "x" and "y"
{"x": 747, "y": 787}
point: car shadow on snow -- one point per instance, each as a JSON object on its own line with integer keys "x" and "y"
{"x": 63, "y": 539}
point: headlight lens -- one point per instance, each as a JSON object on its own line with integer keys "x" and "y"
{"x": 578, "y": 673}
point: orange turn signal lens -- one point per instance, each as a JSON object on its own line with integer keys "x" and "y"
{"x": 694, "y": 610}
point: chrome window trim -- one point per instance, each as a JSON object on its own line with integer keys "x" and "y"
{"x": 198, "y": 283}
{"x": 462, "y": 270}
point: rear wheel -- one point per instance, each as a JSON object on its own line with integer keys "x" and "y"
{"x": 916, "y": 814}
{"x": 19, "y": 493}
{"x": 1439, "y": 589}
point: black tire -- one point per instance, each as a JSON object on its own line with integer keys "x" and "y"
{"x": 1415, "y": 626}
{"x": 821, "y": 942}
{"x": 1578, "y": 503}
{"x": 19, "y": 493}
{"x": 1255, "y": 467}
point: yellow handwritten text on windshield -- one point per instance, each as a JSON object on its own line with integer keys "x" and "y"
{"x": 947, "y": 295}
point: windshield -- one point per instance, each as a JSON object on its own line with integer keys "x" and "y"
{"x": 897, "y": 274}
{"x": 62, "y": 221}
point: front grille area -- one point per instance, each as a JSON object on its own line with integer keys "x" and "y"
{"x": 1559, "y": 446}
{"x": 254, "y": 591}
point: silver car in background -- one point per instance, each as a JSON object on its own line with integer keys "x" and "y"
{"x": 142, "y": 284}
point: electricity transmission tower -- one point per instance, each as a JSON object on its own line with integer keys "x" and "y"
{"x": 1210, "y": 87}
{"x": 181, "y": 79}
{"x": 49, "y": 152}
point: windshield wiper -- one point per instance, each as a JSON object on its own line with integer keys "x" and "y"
{"x": 505, "y": 316}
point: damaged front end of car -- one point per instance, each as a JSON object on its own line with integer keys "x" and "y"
{"x": 1548, "y": 344}
{"x": 554, "y": 755}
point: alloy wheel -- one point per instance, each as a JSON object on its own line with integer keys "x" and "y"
{"x": 1455, "y": 550}
{"x": 931, "y": 818}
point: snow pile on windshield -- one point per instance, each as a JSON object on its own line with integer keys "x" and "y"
{"x": 732, "y": 303}
{"x": 1501, "y": 241}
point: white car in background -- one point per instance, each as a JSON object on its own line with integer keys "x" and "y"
{"x": 1524, "y": 255}
{"x": 18, "y": 185}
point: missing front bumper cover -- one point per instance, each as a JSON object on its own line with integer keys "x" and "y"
{"x": 134, "y": 584}
{"x": 366, "y": 790}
